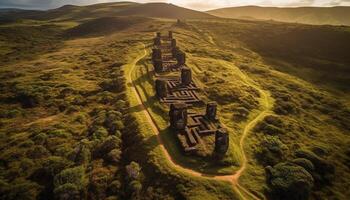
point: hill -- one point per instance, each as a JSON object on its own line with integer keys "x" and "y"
{"x": 306, "y": 15}
{"x": 71, "y": 12}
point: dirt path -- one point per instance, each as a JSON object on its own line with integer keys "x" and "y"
{"x": 234, "y": 178}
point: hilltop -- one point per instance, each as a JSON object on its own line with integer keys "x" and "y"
{"x": 72, "y": 12}
{"x": 306, "y": 15}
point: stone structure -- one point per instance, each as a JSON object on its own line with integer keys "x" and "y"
{"x": 194, "y": 130}
{"x": 156, "y": 54}
{"x": 180, "y": 57}
{"x": 158, "y": 35}
{"x": 186, "y": 76}
{"x": 161, "y": 88}
{"x": 170, "y": 35}
{"x": 157, "y": 41}
{"x": 178, "y": 116}
{"x": 158, "y": 65}
{"x": 221, "y": 141}
{"x": 211, "y": 110}
{"x": 173, "y": 43}
{"x": 174, "y": 51}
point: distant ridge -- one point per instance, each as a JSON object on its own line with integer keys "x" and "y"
{"x": 306, "y": 15}
{"x": 164, "y": 10}
{"x": 155, "y": 10}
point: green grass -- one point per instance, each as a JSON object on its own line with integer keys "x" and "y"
{"x": 55, "y": 89}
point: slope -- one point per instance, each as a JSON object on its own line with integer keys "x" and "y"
{"x": 307, "y": 15}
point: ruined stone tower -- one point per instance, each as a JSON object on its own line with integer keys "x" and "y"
{"x": 158, "y": 65}
{"x": 173, "y": 44}
{"x": 158, "y": 35}
{"x": 161, "y": 88}
{"x": 174, "y": 51}
{"x": 211, "y": 111}
{"x": 170, "y": 35}
{"x": 186, "y": 76}
{"x": 156, "y": 54}
{"x": 180, "y": 57}
{"x": 221, "y": 141}
{"x": 178, "y": 116}
{"x": 157, "y": 41}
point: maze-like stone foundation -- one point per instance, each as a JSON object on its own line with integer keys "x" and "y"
{"x": 181, "y": 92}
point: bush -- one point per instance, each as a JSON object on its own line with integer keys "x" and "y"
{"x": 55, "y": 164}
{"x": 81, "y": 155}
{"x": 67, "y": 191}
{"x": 110, "y": 143}
{"x": 37, "y": 152}
{"x": 270, "y": 151}
{"x": 324, "y": 170}
{"x": 40, "y": 139}
{"x": 289, "y": 182}
{"x": 114, "y": 156}
{"x": 305, "y": 163}
{"x": 114, "y": 187}
{"x": 70, "y": 183}
{"x": 100, "y": 177}
{"x": 100, "y": 133}
{"x": 22, "y": 189}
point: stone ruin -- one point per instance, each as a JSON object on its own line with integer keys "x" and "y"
{"x": 180, "y": 57}
{"x": 178, "y": 116}
{"x": 170, "y": 35}
{"x": 156, "y": 54}
{"x": 157, "y": 41}
{"x": 211, "y": 110}
{"x": 161, "y": 88}
{"x": 221, "y": 141}
{"x": 173, "y": 43}
{"x": 180, "y": 92}
{"x": 186, "y": 76}
{"x": 158, "y": 65}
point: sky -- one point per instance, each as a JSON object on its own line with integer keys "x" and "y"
{"x": 193, "y": 4}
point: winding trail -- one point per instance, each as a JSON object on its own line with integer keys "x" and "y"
{"x": 232, "y": 179}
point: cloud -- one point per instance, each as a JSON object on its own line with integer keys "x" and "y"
{"x": 193, "y": 4}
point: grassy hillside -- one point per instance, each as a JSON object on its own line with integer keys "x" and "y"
{"x": 306, "y": 15}
{"x": 70, "y": 12}
{"x": 309, "y": 121}
{"x": 69, "y": 127}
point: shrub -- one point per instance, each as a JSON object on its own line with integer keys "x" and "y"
{"x": 114, "y": 156}
{"x": 100, "y": 133}
{"x": 305, "y": 163}
{"x": 80, "y": 155}
{"x": 108, "y": 144}
{"x": 100, "y": 177}
{"x": 114, "y": 187}
{"x": 324, "y": 170}
{"x": 67, "y": 191}
{"x": 55, "y": 164}
{"x": 289, "y": 181}
{"x": 38, "y": 151}
{"x": 40, "y": 139}
{"x": 133, "y": 171}
{"x": 271, "y": 150}
{"x": 22, "y": 189}
{"x": 70, "y": 182}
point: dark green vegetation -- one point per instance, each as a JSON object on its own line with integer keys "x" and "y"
{"x": 66, "y": 129}
{"x": 306, "y": 15}
{"x": 307, "y": 133}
